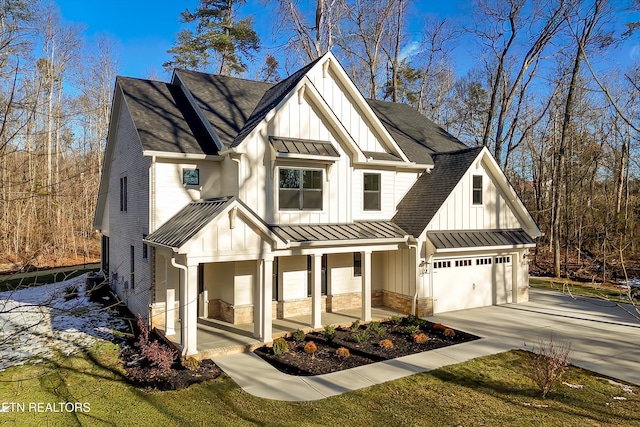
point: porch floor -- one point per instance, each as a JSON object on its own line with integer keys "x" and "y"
{"x": 217, "y": 338}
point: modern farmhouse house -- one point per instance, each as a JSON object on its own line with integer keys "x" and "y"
{"x": 244, "y": 201}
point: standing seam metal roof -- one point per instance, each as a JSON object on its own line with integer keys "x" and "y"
{"x": 335, "y": 232}
{"x": 188, "y": 222}
{"x": 479, "y": 238}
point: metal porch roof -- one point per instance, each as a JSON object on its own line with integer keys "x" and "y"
{"x": 335, "y": 232}
{"x": 304, "y": 146}
{"x": 480, "y": 238}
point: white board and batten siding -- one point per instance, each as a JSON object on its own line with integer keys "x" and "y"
{"x": 171, "y": 194}
{"x": 394, "y": 186}
{"x": 128, "y": 228}
{"x": 459, "y": 213}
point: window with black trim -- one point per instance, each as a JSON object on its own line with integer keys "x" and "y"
{"x": 133, "y": 267}
{"x": 371, "y": 192}
{"x": 191, "y": 176}
{"x": 145, "y": 248}
{"x": 300, "y": 189}
{"x": 357, "y": 264}
{"x": 477, "y": 189}
{"x": 123, "y": 194}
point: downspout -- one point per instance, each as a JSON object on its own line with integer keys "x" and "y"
{"x": 183, "y": 321}
{"x": 415, "y": 295}
{"x": 430, "y": 264}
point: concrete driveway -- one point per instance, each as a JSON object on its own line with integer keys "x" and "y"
{"x": 604, "y": 338}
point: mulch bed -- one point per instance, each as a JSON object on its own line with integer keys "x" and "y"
{"x": 140, "y": 372}
{"x": 325, "y": 360}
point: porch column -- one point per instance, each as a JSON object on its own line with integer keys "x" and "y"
{"x": 366, "y": 286}
{"x": 316, "y": 288}
{"x": 169, "y": 302}
{"x": 262, "y": 312}
{"x": 190, "y": 302}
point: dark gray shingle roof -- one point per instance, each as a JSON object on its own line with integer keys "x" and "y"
{"x": 417, "y": 136}
{"x": 424, "y": 198}
{"x": 163, "y": 118}
{"x": 188, "y": 222}
{"x": 227, "y": 102}
{"x": 479, "y": 238}
{"x": 333, "y": 232}
{"x": 270, "y": 100}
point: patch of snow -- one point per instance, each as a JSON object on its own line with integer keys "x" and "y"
{"x": 576, "y": 386}
{"x": 37, "y": 323}
{"x": 619, "y": 398}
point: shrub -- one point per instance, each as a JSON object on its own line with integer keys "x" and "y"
{"x": 449, "y": 333}
{"x": 414, "y": 320}
{"x": 70, "y": 292}
{"x": 355, "y": 326}
{"x": 280, "y": 347}
{"x": 548, "y": 363}
{"x": 299, "y": 335}
{"x": 310, "y": 347}
{"x": 377, "y": 329}
{"x": 386, "y": 343}
{"x": 412, "y": 330}
{"x": 191, "y": 363}
{"x": 439, "y": 327}
{"x": 158, "y": 354}
{"x": 396, "y": 320}
{"x": 420, "y": 338}
{"x": 343, "y": 352}
{"x": 360, "y": 336}
{"x": 329, "y": 332}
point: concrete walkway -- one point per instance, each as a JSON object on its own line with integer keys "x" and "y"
{"x": 604, "y": 339}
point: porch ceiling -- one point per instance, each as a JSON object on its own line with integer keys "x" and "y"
{"x": 446, "y": 241}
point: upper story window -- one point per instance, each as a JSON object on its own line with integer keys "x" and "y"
{"x": 371, "y": 192}
{"x": 477, "y": 189}
{"x": 300, "y": 189}
{"x": 123, "y": 194}
{"x": 191, "y": 176}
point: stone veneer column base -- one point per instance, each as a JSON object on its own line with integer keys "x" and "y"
{"x": 402, "y": 303}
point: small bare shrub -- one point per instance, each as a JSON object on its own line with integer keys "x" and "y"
{"x": 343, "y": 352}
{"x": 70, "y": 292}
{"x": 386, "y": 343}
{"x": 548, "y": 363}
{"x": 420, "y": 338}
{"x": 158, "y": 354}
{"x": 449, "y": 333}
{"x": 310, "y": 347}
{"x": 299, "y": 335}
{"x": 280, "y": 347}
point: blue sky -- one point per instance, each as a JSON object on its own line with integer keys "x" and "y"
{"x": 145, "y": 29}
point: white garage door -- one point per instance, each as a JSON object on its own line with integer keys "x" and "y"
{"x": 461, "y": 283}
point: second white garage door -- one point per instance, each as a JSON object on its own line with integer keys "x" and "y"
{"x": 461, "y": 283}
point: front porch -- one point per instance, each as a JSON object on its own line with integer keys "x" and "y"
{"x": 217, "y": 338}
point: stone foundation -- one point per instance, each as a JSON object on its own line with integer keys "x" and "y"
{"x": 402, "y": 303}
{"x": 298, "y": 307}
{"x": 344, "y": 302}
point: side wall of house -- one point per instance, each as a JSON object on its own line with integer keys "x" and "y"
{"x": 127, "y": 228}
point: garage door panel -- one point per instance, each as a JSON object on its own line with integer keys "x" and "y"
{"x": 463, "y": 283}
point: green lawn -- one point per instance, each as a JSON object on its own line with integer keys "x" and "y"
{"x": 579, "y": 289}
{"x": 486, "y": 391}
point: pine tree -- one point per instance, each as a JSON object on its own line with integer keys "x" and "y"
{"x": 220, "y": 41}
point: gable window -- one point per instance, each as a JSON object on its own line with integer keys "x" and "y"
{"x": 357, "y": 264}
{"x": 300, "y": 189}
{"x": 123, "y": 194}
{"x": 371, "y": 192}
{"x": 477, "y": 189}
{"x": 191, "y": 176}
